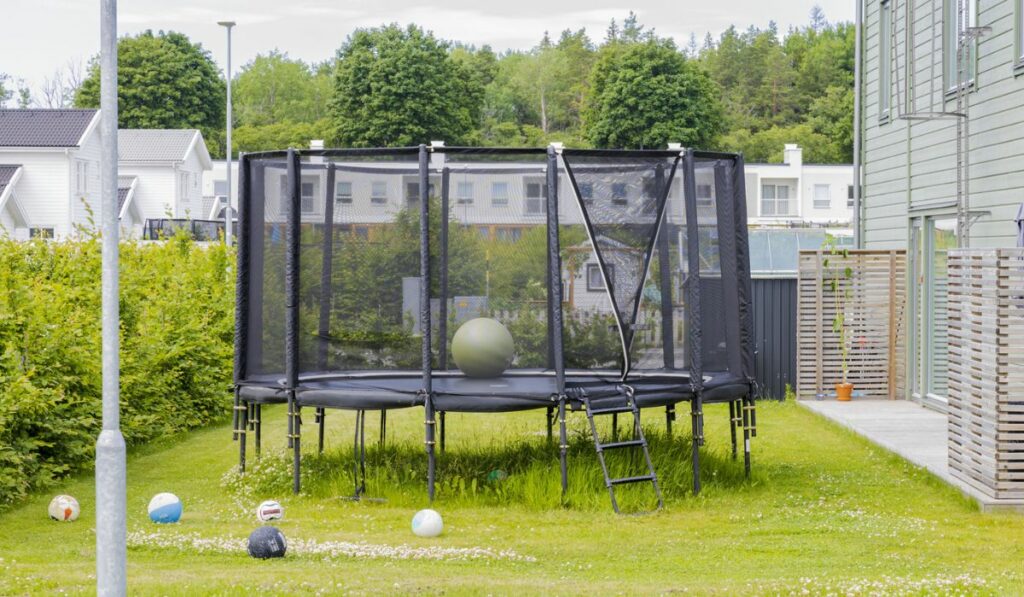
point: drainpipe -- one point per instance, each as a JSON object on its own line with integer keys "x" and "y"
{"x": 858, "y": 240}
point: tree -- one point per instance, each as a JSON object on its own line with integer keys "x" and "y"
{"x": 248, "y": 137}
{"x": 646, "y": 94}
{"x": 395, "y": 86}
{"x": 5, "y": 93}
{"x": 59, "y": 89}
{"x": 274, "y": 88}
{"x": 164, "y": 81}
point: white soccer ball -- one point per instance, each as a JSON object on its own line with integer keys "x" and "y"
{"x": 427, "y": 523}
{"x": 64, "y": 508}
{"x": 269, "y": 510}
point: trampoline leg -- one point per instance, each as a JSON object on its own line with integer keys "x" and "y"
{"x": 746, "y": 436}
{"x": 234, "y": 415}
{"x": 442, "y": 430}
{"x": 258, "y": 428}
{"x": 563, "y": 446}
{"x": 242, "y": 414}
{"x": 695, "y": 420}
{"x": 359, "y": 455}
{"x": 732, "y": 426}
{"x": 296, "y": 446}
{"x": 670, "y": 415}
{"x": 383, "y": 427}
{"x": 550, "y": 420}
{"x": 615, "y": 427}
{"x": 429, "y": 425}
{"x": 321, "y": 417}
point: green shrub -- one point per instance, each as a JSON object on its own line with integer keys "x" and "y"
{"x": 176, "y": 348}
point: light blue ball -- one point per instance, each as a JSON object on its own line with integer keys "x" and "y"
{"x": 165, "y": 508}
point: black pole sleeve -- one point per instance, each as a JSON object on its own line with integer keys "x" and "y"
{"x": 425, "y": 328}
{"x": 555, "y": 273}
{"x": 665, "y": 279}
{"x": 693, "y": 273}
{"x": 743, "y": 267}
{"x": 242, "y": 270}
{"x": 291, "y": 271}
{"x": 326, "y": 271}
{"x": 254, "y": 213}
{"x": 442, "y": 319}
{"x": 724, "y": 203}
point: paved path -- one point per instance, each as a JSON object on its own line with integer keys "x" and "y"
{"x": 906, "y": 428}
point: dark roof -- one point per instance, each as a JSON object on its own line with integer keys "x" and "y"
{"x": 6, "y": 174}
{"x": 43, "y": 128}
{"x": 154, "y": 145}
{"x": 124, "y": 186}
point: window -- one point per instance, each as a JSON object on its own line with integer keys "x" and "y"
{"x": 81, "y": 176}
{"x": 822, "y": 200}
{"x": 343, "y": 191}
{"x": 464, "y": 192}
{"x": 412, "y": 191}
{"x": 955, "y": 22}
{"x": 1019, "y": 35}
{"x": 774, "y": 199}
{"x": 379, "y": 191}
{"x": 499, "y": 193}
{"x": 619, "y": 193}
{"x": 362, "y": 232}
{"x": 586, "y": 191}
{"x": 46, "y": 233}
{"x": 536, "y": 195}
{"x": 508, "y": 234}
{"x": 704, "y": 196}
{"x": 594, "y": 279}
{"x": 484, "y": 232}
{"x": 307, "y": 190}
{"x": 885, "y": 59}
{"x": 849, "y": 195}
{"x": 183, "y": 185}
{"x": 220, "y": 188}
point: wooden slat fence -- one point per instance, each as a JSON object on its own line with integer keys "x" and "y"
{"x": 875, "y": 318}
{"x": 986, "y": 370}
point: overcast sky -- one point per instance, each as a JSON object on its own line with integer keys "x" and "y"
{"x": 41, "y": 36}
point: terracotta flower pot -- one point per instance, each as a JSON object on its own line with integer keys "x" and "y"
{"x": 844, "y": 391}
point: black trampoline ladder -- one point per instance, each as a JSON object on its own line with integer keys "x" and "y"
{"x": 638, "y": 441}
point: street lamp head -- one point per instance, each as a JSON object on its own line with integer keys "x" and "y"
{"x": 228, "y": 24}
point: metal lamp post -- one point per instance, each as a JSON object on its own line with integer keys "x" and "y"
{"x": 111, "y": 513}
{"x": 227, "y": 210}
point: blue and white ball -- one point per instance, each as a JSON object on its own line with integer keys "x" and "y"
{"x": 165, "y": 508}
{"x": 427, "y": 523}
{"x": 269, "y": 510}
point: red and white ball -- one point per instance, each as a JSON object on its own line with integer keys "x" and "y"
{"x": 64, "y": 508}
{"x": 269, "y": 510}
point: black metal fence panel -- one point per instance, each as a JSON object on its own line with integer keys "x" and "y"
{"x": 775, "y": 332}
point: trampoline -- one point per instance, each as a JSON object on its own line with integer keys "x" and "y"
{"x": 622, "y": 275}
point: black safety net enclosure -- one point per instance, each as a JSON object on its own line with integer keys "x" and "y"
{"x": 622, "y": 276}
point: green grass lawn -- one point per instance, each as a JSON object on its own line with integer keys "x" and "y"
{"x": 824, "y": 512}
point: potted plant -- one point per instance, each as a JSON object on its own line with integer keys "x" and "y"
{"x": 838, "y": 281}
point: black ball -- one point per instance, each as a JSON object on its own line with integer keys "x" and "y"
{"x": 267, "y": 542}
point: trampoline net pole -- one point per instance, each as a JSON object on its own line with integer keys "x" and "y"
{"x": 291, "y": 281}
{"x": 425, "y": 327}
{"x": 693, "y": 308}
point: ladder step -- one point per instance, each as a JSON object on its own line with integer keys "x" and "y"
{"x": 624, "y": 480}
{"x": 623, "y": 444}
{"x": 611, "y": 410}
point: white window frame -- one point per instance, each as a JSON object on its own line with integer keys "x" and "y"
{"x": 949, "y": 44}
{"x": 183, "y": 185}
{"x": 705, "y": 196}
{"x": 81, "y": 176}
{"x": 307, "y": 203}
{"x": 499, "y": 198}
{"x": 775, "y": 186}
{"x": 818, "y": 202}
{"x": 595, "y": 281}
{"x": 1018, "y": 37}
{"x": 464, "y": 193}
{"x": 620, "y": 193}
{"x": 535, "y": 204}
{"x": 343, "y": 196}
{"x": 379, "y": 192}
{"x": 43, "y": 232}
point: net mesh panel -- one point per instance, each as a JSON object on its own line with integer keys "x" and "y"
{"x": 266, "y": 339}
{"x": 359, "y": 264}
{"x": 621, "y": 198}
{"x": 496, "y": 253}
{"x": 714, "y": 220}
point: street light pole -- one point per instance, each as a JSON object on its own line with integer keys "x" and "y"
{"x": 227, "y": 210}
{"x": 111, "y": 513}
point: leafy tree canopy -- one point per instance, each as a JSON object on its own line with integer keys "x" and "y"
{"x": 274, "y": 88}
{"x": 646, "y": 93}
{"x": 396, "y": 86}
{"x": 164, "y": 81}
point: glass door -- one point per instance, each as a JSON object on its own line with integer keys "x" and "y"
{"x": 931, "y": 239}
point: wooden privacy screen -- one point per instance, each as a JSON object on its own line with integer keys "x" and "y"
{"x": 986, "y": 370}
{"x": 875, "y": 319}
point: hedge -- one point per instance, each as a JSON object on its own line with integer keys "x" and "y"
{"x": 176, "y": 345}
